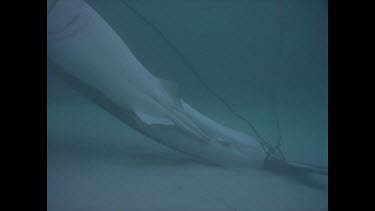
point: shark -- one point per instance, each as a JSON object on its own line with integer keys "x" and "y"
{"x": 84, "y": 50}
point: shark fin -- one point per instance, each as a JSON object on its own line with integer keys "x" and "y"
{"x": 172, "y": 90}
{"x": 151, "y": 119}
{"x": 231, "y": 144}
{"x": 170, "y": 87}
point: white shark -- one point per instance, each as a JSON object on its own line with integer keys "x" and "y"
{"x": 88, "y": 54}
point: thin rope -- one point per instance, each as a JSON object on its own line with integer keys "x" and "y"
{"x": 281, "y": 15}
{"x": 266, "y": 146}
{"x": 278, "y": 129}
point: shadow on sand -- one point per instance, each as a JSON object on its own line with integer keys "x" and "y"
{"x": 86, "y": 150}
{"x": 90, "y": 151}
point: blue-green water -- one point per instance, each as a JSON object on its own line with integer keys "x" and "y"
{"x": 252, "y": 53}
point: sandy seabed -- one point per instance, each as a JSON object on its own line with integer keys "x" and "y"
{"x": 97, "y": 163}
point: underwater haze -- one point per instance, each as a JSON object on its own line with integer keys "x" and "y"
{"x": 267, "y": 58}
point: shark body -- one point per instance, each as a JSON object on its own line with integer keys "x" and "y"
{"x": 87, "y": 53}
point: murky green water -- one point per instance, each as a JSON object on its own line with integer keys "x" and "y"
{"x": 254, "y": 53}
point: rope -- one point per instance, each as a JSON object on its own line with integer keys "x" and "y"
{"x": 265, "y": 145}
